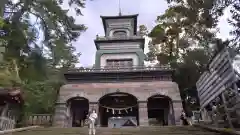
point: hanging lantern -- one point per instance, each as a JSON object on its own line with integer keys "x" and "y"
{"x": 107, "y": 110}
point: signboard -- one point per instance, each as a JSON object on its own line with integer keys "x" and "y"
{"x": 214, "y": 81}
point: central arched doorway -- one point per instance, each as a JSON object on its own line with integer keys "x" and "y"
{"x": 118, "y": 110}
{"x": 159, "y": 110}
{"x": 77, "y": 111}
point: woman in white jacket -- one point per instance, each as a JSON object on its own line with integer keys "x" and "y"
{"x": 92, "y": 119}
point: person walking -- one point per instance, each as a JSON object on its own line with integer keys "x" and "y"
{"x": 214, "y": 114}
{"x": 189, "y": 116}
{"x": 183, "y": 118}
{"x": 91, "y": 122}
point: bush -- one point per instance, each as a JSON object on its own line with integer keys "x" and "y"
{"x": 40, "y": 97}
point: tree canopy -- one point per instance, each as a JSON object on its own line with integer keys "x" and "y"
{"x": 185, "y": 38}
{"x": 36, "y": 47}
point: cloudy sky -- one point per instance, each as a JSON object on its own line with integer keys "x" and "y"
{"x": 148, "y": 11}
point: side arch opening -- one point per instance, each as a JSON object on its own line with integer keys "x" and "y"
{"x": 77, "y": 110}
{"x": 159, "y": 110}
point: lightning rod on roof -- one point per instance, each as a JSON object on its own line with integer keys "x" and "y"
{"x": 119, "y": 4}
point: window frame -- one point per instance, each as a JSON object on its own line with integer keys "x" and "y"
{"x": 121, "y": 63}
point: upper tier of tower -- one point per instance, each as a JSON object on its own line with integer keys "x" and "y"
{"x": 117, "y": 26}
{"x": 119, "y": 29}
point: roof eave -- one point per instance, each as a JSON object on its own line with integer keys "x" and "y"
{"x": 96, "y": 44}
{"x": 120, "y": 17}
{"x": 119, "y": 40}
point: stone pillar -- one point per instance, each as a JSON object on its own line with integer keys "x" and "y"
{"x": 205, "y": 116}
{"x": 5, "y": 110}
{"x": 143, "y": 114}
{"x": 170, "y": 114}
{"x": 68, "y": 115}
{"x": 59, "y": 119}
{"x": 166, "y": 115}
{"x": 177, "y": 107}
{"x": 4, "y": 113}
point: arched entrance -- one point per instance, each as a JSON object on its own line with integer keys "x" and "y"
{"x": 118, "y": 110}
{"x": 77, "y": 111}
{"x": 159, "y": 110}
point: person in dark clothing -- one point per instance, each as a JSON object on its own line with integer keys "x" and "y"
{"x": 189, "y": 116}
{"x": 184, "y": 118}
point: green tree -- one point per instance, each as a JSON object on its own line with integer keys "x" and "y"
{"x": 184, "y": 33}
{"x": 207, "y": 12}
{"x": 153, "y": 50}
{"x": 143, "y": 30}
{"x": 32, "y": 62}
{"x": 2, "y": 41}
{"x": 40, "y": 96}
{"x": 59, "y": 29}
{"x": 235, "y": 22}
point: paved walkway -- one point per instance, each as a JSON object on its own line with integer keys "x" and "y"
{"x": 173, "y": 130}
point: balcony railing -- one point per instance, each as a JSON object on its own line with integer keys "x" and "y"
{"x": 102, "y": 38}
{"x": 121, "y": 69}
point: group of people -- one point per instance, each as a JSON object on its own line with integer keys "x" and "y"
{"x": 212, "y": 110}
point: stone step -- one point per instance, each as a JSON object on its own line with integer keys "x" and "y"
{"x": 170, "y": 130}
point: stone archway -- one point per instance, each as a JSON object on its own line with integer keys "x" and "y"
{"x": 160, "y": 110}
{"x": 118, "y": 109}
{"x": 77, "y": 110}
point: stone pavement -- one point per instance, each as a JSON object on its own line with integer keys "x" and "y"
{"x": 171, "y": 130}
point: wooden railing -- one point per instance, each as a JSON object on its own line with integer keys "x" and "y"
{"x": 39, "y": 119}
{"x": 226, "y": 115}
{"x": 133, "y": 68}
{"x": 103, "y": 38}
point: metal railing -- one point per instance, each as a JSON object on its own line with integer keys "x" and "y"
{"x": 120, "y": 69}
